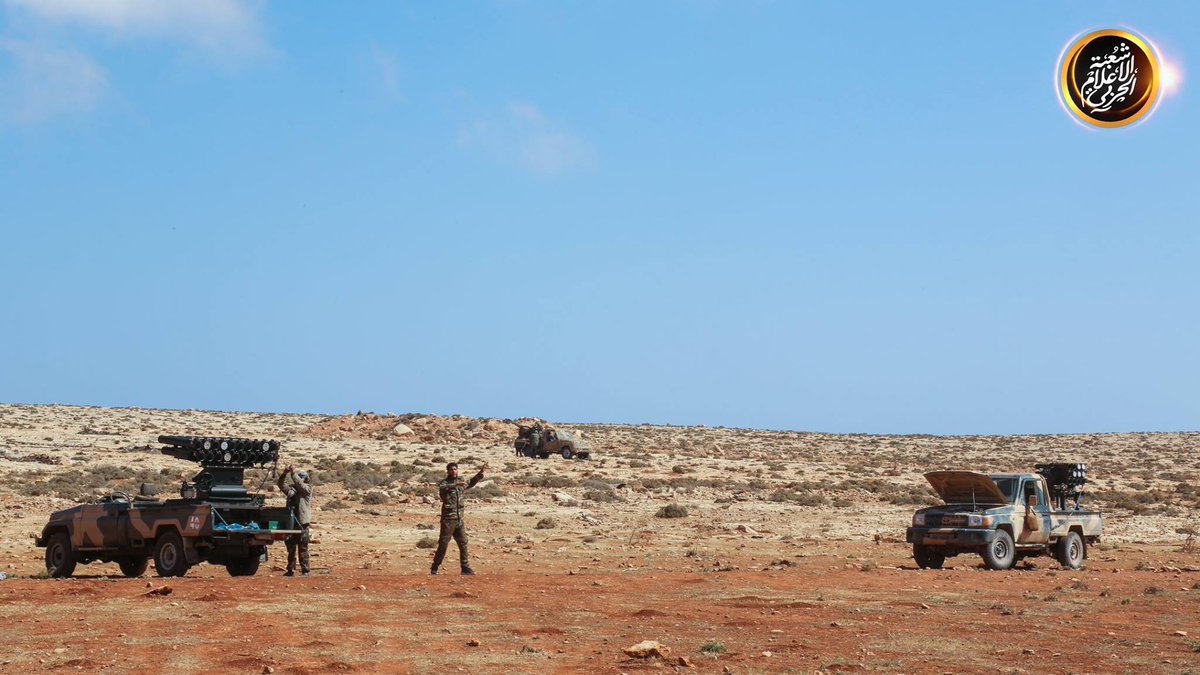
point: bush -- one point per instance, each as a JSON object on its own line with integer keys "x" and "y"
{"x": 335, "y": 505}
{"x": 547, "y": 524}
{"x": 375, "y": 498}
{"x": 672, "y": 511}
{"x": 801, "y": 498}
{"x": 427, "y": 542}
{"x": 713, "y": 647}
{"x": 605, "y": 496}
{"x": 548, "y": 481}
{"x": 487, "y": 491}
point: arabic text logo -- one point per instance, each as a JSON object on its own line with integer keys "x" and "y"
{"x": 1109, "y": 78}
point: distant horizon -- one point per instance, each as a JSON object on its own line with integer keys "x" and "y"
{"x": 592, "y": 423}
{"x": 871, "y": 218}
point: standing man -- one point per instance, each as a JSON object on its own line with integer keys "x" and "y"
{"x": 299, "y": 501}
{"x": 535, "y": 440}
{"x": 451, "y": 491}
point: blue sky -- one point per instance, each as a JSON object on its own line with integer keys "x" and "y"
{"x": 860, "y": 217}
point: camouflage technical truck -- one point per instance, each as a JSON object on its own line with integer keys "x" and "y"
{"x": 1005, "y": 517}
{"x": 215, "y": 519}
{"x": 539, "y": 441}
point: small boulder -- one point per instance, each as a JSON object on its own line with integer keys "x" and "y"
{"x": 647, "y": 649}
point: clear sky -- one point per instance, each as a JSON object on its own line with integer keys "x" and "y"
{"x": 857, "y": 217}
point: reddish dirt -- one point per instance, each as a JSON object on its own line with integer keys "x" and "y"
{"x": 816, "y": 613}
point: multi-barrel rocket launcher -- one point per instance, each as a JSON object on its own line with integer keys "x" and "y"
{"x": 223, "y": 464}
{"x": 1065, "y": 481}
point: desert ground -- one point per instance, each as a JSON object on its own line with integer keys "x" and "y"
{"x": 790, "y": 558}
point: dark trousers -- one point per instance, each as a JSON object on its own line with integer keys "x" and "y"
{"x": 298, "y": 543}
{"x": 452, "y": 527}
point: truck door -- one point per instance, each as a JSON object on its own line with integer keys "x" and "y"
{"x": 114, "y": 525}
{"x": 104, "y": 525}
{"x": 1036, "y": 525}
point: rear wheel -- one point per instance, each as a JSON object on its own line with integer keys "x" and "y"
{"x": 247, "y": 567}
{"x": 568, "y": 452}
{"x": 1000, "y": 554}
{"x": 928, "y": 557}
{"x": 133, "y": 567}
{"x": 1070, "y": 551}
{"x": 169, "y": 558}
{"x": 60, "y": 558}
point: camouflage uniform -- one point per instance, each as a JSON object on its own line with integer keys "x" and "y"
{"x": 299, "y": 501}
{"x": 451, "y": 492}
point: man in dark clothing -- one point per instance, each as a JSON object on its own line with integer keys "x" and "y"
{"x": 299, "y": 501}
{"x": 451, "y": 491}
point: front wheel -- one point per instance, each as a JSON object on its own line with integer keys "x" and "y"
{"x": 567, "y": 452}
{"x": 928, "y": 557}
{"x": 133, "y": 567}
{"x": 1070, "y": 551}
{"x": 1000, "y": 554}
{"x": 60, "y": 558}
{"x": 169, "y": 558}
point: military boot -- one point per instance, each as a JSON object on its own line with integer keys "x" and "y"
{"x": 433, "y": 570}
{"x": 466, "y": 570}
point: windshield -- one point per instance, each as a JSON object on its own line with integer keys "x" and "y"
{"x": 1007, "y": 485}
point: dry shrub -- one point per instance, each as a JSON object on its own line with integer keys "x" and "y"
{"x": 672, "y": 511}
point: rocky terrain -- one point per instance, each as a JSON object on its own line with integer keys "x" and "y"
{"x": 787, "y": 554}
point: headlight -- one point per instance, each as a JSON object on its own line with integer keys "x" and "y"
{"x": 919, "y": 519}
{"x": 976, "y": 520}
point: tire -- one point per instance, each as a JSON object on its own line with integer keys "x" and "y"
{"x": 169, "y": 557}
{"x": 60, "y": 558}
{"x": 1071, "y": 551}
{"x": 247, "y": 567}
{"x": 1000, "y": 554}
{"x": 133, "y": 567}
{"x": 567, "y": 452}
{"x": 928, "y": 557}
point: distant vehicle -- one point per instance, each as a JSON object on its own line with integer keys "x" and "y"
{"x": 538, "y": 441}
{"x": 1005, "y": 517}
{"x": 215, "y": 519}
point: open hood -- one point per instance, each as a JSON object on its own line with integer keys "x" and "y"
{"x": 965, "y": 487}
